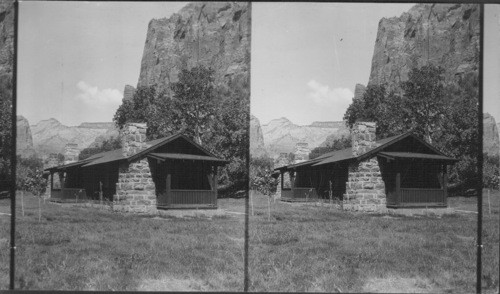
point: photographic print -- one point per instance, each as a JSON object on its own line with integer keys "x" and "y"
{"x": 132, "y": 143}
{"x": 364, "y": 148}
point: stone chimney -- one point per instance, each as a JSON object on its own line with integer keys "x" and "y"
{"x": 71, "y": 153}
{"x": 135, "y": 189}
{"x": 128, "y": 93}
{"x": 365, "y": 188}
{"x": 133, "y": 138}
{"x": 301, "y": 152}
{"x": 363, "y": 137}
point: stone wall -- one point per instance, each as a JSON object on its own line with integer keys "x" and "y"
{"x": 365, "y": 189}
{"x": 135, "y": 190}
{"x": 301, "y": 152}
{"x": 71, "y": 153}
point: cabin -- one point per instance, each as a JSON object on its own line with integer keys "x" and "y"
{"x": 167, "y": 173}
{"x": 402, "y": 171}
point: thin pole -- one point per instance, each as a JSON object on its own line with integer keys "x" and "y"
{"x": 13, "y": 157}
{"x": 480, "y": 154}
{"x": 489, "y": 202}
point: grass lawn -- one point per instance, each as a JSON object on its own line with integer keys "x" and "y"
{"x": 315, "y": 248}
{"x": 79, "y": 248}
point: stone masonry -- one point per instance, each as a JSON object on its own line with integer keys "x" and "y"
{"x": 301, "y": 152}
{"x": 135, "y": 190}
{"x": 71, "y": 153}
{"x": 365, "y": 189}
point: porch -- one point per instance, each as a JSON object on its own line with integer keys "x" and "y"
{"x": 68, "y": 195}
{"x": 299, "y": 194}
{"x": 188, "y": 199}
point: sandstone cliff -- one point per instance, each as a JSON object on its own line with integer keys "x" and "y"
{"x": 215, "y": 35}
{"x": 24, "y": 140}
{"x": 442, "y": 34}
{"x": 50, "y": 136}
{"x": 256, "y": 138}
{"x": 491, "y": 141}
{"x": 281, "y": 135}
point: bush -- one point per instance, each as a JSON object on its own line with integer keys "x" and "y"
{"x": 491, "y": 173}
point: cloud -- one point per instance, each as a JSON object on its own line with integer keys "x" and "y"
{"x": 335, "y": 101}
{"x": 324, "y": 96}
{"x": 97, "y": 98}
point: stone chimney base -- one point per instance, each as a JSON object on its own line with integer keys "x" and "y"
{"x": 365, "y": 189}
{"x": 135, "y": 190}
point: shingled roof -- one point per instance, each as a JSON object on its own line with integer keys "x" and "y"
{"x": 117, "y": 154}
{"x": 346, "y": 154}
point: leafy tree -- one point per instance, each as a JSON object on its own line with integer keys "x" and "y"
{"x": 29, "y": 175}
{"x": 149, "y": 106}
{"x": 491, "y": 174}
{"x": 379, "y": 106}
{"x": 423, "y": 105}
{"x": 193, "y": 100}
{"x": 261, "y": 170}
{"x": 337, "y": 144}
{"x": 5, "y": 127}
{"x": 107, "y": 145}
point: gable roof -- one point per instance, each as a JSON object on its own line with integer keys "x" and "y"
{"x": 117, "y": 154}
{"x": 346, "y": 154}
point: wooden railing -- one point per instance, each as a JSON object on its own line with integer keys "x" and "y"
{"x": 69, "y": 194}
{"x": 419, "y": 196}
{"x": 302, "y": 194}
{"x": 188, "y": 198}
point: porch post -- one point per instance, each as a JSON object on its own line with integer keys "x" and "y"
{"x": 292, "y": 179}
{"x": 398, "y": 188}
{"x": 445, "y": 184}
{"x": 214, "y": 179}
{"x": 167, "y": 189}
{"x": 281, "y": 175}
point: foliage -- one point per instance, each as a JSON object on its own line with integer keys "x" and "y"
{"x": 5, "y": 127}
{"x": 107, "y": 145}
{"x": 444, "y": 114}
{"x": 261, "y": 170}
{"x": 215, "y": 116}
{"x": 491, "y": 173}
{"x": 337, "y": 144}
{"x": 194, "y": 101}
{"x": 29, "y": 175}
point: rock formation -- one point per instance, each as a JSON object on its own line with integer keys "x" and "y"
{"x": 128, "y": 92}
{"x": 442, "y": 34}
{"x": 211, "y": 34}
{"x": 301, "y": 152}
{"x": 50, "y": 136}
{"x": 257, "y": 148}
{"x": 281, "y": 135}
{"x": 491, "y": 144}
{"x": 359, "y": 91}
{"x": 24, "y": 140}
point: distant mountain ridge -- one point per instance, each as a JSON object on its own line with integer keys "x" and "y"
{"x": 281, "y": 135}
{"x": 51, "y": 136}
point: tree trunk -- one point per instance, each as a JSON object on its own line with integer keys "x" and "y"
{"x": 22, "y": 202}
{"x": 39, "y": 210}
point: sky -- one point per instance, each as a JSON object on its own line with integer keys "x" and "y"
{"x": 307, "y": 58}
{"x": 75, "y": 58}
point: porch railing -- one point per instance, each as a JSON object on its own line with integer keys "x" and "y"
{"x": 69, "y": 194}
{"x": 188, "y": 198}
{"x": 417, "y": 196}
{"x": 303, "y": 194}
